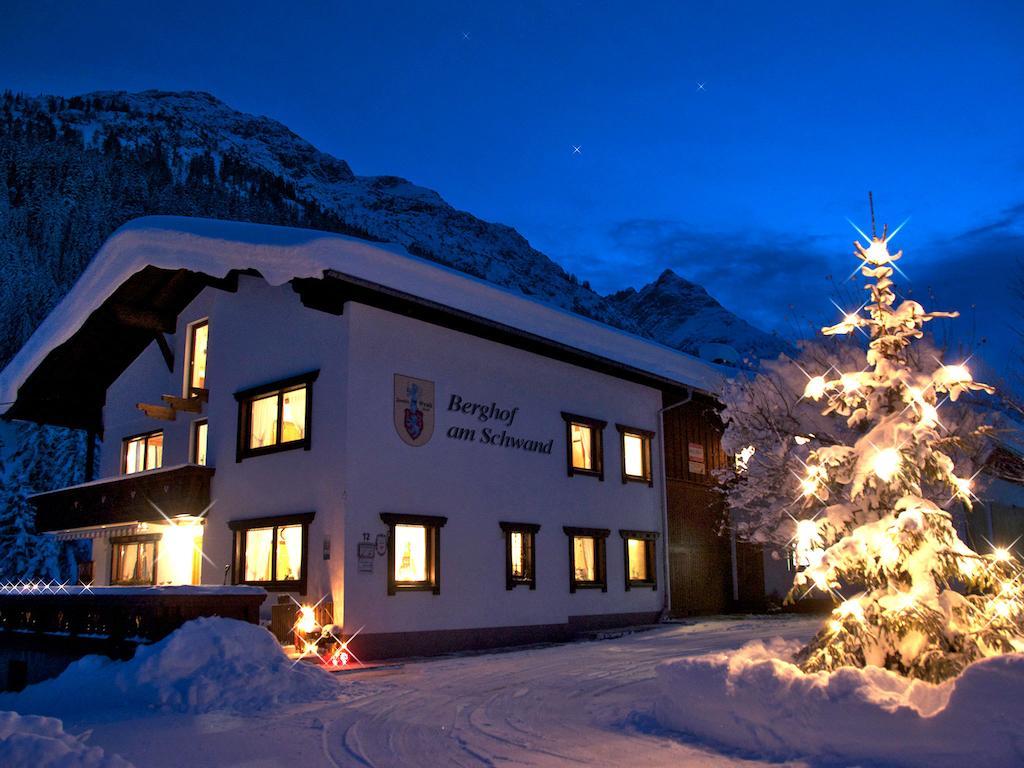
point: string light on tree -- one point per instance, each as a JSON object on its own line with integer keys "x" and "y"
{"x": 926, "y": 604}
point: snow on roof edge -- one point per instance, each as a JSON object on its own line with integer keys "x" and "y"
{"x": 215, "y": 247}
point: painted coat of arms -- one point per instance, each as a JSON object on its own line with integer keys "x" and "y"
{"x": 414, "y": 409}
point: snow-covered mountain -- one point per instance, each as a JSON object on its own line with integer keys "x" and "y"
{"x": 78, "y": 168}
{"x": 683, "y": 315}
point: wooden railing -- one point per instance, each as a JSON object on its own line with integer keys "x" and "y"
{"x": 142, "y": 497}
{"x": 121, "y": 613}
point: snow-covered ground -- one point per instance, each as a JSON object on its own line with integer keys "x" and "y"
{"x": 589, "y": 702}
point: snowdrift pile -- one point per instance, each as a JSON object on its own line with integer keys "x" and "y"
{"x": 40, "y": 742}
{"x": 208, "y": 664}
{"x": 753, "y": 701}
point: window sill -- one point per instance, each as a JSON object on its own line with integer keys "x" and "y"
{"x": 400, "y": 587}
{"x": 638, "y": 479}
{"x": 266, "y": 450}
{"x": 652, "y": 585}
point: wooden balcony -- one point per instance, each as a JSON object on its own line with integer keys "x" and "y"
{"x": 141, "y": 497}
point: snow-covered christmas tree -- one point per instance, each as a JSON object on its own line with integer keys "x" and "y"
{"x": 873, "y": 523}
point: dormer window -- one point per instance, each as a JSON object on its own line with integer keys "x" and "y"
{"x": 143, "y": 452}
{"x": 198, "y": 336}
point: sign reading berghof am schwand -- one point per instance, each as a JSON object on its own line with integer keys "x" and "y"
{"x": 414, "y": 419}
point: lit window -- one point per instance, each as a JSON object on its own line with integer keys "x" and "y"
{"x": 636, "y": 454}
{"x": 181, "y": 553}
{"x": 638, "y": 551}
{"x": 200, "y": 432}
{"x": 275, "y": 417}
{"x": 143, "y": 452}
{"x": 410, "y": 554}
{"x": 413, "y": 547}
{"x": 583, "y": 563}
{"x": 582, "y": 455}
{"x": 587, "y": 568}
{"x": 133, "y": 560}
{"x": 584, "y": 445}
{"x": 519, "y": 549}
{"x": 198, "y": 335}
{"x": 271, "y": 552}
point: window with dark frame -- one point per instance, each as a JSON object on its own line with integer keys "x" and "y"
{"x": 588, "y": 563}
{"x": 520, "y": 568}
{"x": 414, "y": 552}
{"x": 133, "y": 560}
{"x": 198, "y": 338}
{"x": 272, "y": 552}
{"x": 200, "y": 435}
{"x": 639, "y": 558}
{"x": 635, "y": 445}
{"x": 276, "y": 417}
{"x": 142, "y": 452}
{"x": 584, "y": 445}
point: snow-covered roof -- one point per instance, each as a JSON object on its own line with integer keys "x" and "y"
{"x": 280, "y": 254}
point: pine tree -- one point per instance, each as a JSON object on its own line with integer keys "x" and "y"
{"x": 875, "y": 514}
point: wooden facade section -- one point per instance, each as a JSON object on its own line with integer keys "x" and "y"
{"x": 699, "y": 550}
{"x": 183, "y": 490}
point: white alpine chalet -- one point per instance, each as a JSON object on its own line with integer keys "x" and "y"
{"x": 440, "y": 462}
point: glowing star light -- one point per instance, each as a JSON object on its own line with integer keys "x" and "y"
{"x": 886, "y": 463}
{"x": 815, "y": 388}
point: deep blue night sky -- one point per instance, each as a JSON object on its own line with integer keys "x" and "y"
{"x": 744, "y": 186}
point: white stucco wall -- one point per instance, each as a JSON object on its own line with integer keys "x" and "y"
{"x": 258, "y": 335}
{"x": 358, "y": 466}
{"x": 476, "y": 485}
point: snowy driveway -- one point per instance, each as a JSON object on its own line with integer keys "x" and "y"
{"x": 587, "y": 703}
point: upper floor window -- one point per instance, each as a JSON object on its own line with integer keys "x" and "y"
{"x": 636, "y": 454}
{"x": 639, "y": 557}
{"x": 272, "y": 551}
{"x": 414, "y": 550}
{"x": 519, "y": 558}
{"x": 587, "y": 558}
{"x": 584, "y": 445}
{"x": 143, "y": 452}
{"x": 200, "y": 433}
{"x": 276, "y": 416}
{"x": 198, "y": 336}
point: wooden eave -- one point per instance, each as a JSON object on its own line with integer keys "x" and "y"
{"x": 68, "y": 389}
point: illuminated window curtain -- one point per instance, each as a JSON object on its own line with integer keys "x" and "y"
{"x": 263, "y": 422}
{"x": 127, "y": 560}
{"x": 637, "y": 559}
{"x": 134, "y": 455}
{"x": 581, "y": 458}
{"x": 633, "y": 452}
{"x": 259, "y": 551}
{"x": 200, "y": 335}
{"x": 583, "y": 558}
{"x": 144, "y": 566}
{"x": 410, "y": 553}
{"x": 518, "y": 545}
{"x": 289, "y": 552}
{"x": 201, "y": 434}
{"x": 155, "y": 451}
{"x": 293, "y": 415}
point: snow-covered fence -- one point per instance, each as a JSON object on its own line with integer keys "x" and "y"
{"x": 132, "y": 614}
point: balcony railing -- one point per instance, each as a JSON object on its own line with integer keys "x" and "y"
{"x": 141, "y": 497}
{"x": 134, "y": 614}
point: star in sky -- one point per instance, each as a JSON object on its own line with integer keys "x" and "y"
{"x": 700, "y": 86}
{"x": 577, "y": 149}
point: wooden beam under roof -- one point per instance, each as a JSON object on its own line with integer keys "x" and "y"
{"x": 161, "y": 412}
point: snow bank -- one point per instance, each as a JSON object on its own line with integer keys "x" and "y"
{"x": 40, "y": 742}
{"x": 753, "y": 701}
{"x": 208, "y": 664}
